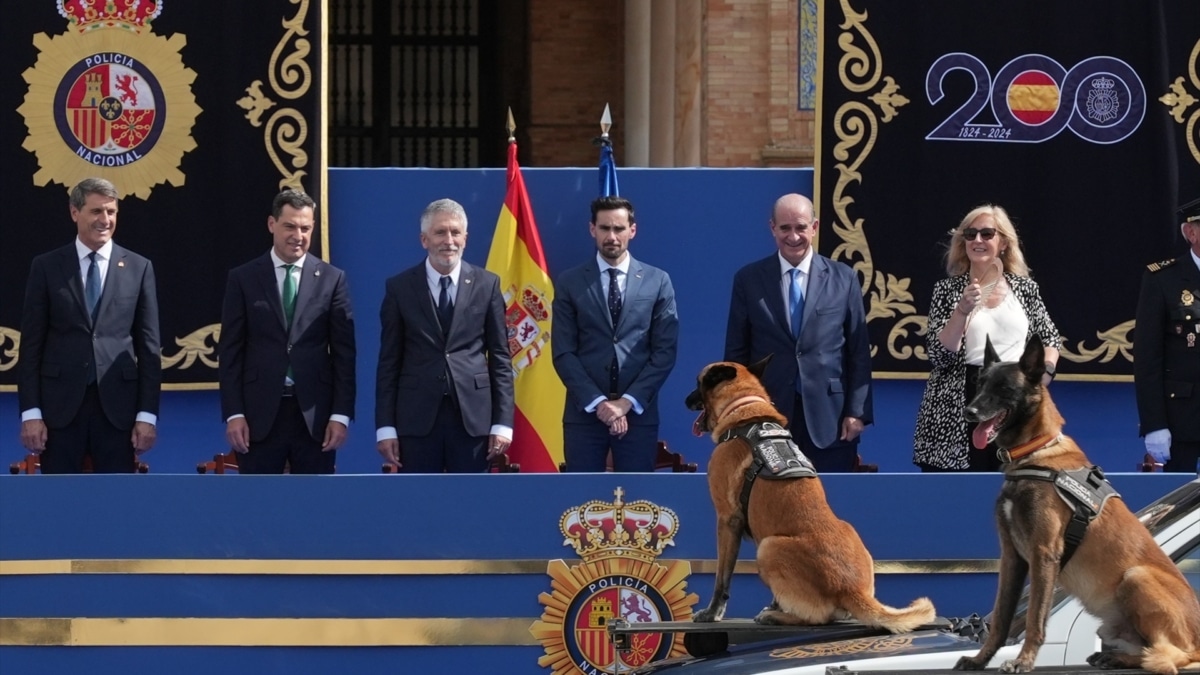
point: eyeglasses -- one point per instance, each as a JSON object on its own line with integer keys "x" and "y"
{"x": 988, "y": 233}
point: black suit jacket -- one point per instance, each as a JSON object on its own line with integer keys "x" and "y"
{"x": 256, "y": 346}
{"x": 59, "y": 342}
{"x": 1166, "y": 361}
{"x": 414, "y": 358}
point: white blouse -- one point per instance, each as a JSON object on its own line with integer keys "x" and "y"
{"x": 1006, "y": 324}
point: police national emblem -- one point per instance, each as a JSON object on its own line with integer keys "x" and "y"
{"x": 620, "y": 578}
{"x": 109, "y": 98}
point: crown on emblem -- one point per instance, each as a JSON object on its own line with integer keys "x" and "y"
{"x": 534, "y": 303}
{"x": 1103, "y": 83}
{"x": 640, "y": 530}
{"x": 130, "y": 15}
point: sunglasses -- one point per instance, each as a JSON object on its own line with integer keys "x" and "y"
{"x": 988, "y": 233}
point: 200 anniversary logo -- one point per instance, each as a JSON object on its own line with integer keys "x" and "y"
{"x": 109, "y": 98}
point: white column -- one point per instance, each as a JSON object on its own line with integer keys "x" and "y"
{"x": 662, "y": 78}
{"x": 636, "y": 125}
{"x": 689, "y": 23}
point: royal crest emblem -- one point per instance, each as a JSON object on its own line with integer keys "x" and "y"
{"x": 527, "y": 318}
{"x": 620, "y": 577}
{"x": 109, "y": 98}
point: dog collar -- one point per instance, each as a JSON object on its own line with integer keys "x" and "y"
{"x": 737, "y": 403}
{"x": 1028, "y": 448}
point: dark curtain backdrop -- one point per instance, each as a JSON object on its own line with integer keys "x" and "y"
{"x": 256, "y": 85}
{"x": 1072, "y": 115}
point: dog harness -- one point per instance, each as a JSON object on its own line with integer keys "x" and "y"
{"x": 775, "y": 457}
{"x": 1085, "y": 490}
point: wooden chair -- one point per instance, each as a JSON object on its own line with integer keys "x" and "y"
{"x": 501, "y": 464}
{"x": 663, "y": 459}
{"x": 33, "y": 464}
{"x": 859, "y": 467}
{"x": 221, "y": 463}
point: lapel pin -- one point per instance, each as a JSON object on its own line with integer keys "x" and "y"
{"x": 317, "y": 273}
{"x": 120, "y": 263}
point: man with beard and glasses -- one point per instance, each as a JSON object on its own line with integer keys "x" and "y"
{"x": 615, "y": 337}
{"x": 444, "y": 382}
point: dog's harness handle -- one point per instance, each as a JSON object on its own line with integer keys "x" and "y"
{"x": 775, "y": 457}
{"x": 1085, "y": 490}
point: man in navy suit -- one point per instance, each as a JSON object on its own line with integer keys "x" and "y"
{"x": 615, "y": 337}
{"x": 287, "y": 351}
{"x": 806, "y": 311}
{"x": 90, "y": 369}
{"x": 444, "y": 382}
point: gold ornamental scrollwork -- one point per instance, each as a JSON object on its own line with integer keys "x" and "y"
{"x": 199, "y": 345}
{"x": 1179, "y": 100}
{"x": 9, "y": 354}
{"x": 856, "y": 124}
{"x": 290, "y": 77}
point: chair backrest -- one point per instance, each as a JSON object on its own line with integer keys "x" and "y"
{"x": 1148, "y": 465}
{"x": 501, "y": 464}
{"x": 221, "y": 463}
{"x": 33, "y": 464}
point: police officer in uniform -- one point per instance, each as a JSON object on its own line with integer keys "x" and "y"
{"x": 1167, "y": 354}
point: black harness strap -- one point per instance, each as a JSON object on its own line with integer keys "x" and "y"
{"x": 1085, "y": 490}
{"x": 775, "y": 457}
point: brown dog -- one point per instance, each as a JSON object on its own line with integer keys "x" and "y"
{"x": 815, "y": 565}
{"x": 1148, "y": 610}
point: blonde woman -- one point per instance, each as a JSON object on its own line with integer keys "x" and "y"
{"x": 988, "y": 294}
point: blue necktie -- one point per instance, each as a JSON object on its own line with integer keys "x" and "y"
{"x": 795, "y": 302}
{"x": 92, "y": 289}
{"x": 445, "y": 309}
{"x": 614, "y": 311}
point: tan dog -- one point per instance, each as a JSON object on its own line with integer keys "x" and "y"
{"x": 815, "y": 565}
{"x": 1148, "y": 610}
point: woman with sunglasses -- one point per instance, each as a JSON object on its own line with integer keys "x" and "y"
{"x": 988, "y": 294}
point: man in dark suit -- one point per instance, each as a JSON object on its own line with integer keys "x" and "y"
{"x": 444, "y": 382}
{"x": 1166, "y": 356}
{"x": 90, "y": 369}
{"x": 806, "y": 311}
{"x": 287, "y": 351}
{"x": 615, "y": 331}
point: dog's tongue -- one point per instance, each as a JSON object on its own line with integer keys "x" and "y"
{"x": 698, "y": 425}
{"x": 984, "y": 432}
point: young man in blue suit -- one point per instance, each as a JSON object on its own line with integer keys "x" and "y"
{"x": 615, "y": 336}
{"x": 806, "y": 311}
{"x": 287, "y": 351}
{"x": 90, "y": 371}
{"x": 444, "y": 382}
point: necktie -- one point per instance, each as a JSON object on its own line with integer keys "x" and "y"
{"x": 444, "y": 308}
{"x": 289, "y": 294}
{"x": 614, "y": 310}
{"x": 795, "y": 302}
{"x": 92, "y": 289}
{"x": 614, "y": 295}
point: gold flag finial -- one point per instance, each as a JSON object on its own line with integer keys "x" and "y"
{"x": 605, "y": 122}
{"x": 512, "y": 127}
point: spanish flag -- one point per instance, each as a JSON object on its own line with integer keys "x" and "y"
{"x": 518, "y": 258}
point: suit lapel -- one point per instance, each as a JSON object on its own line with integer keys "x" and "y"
{"x": 114, "y": 280}
{"x": 818, "y": 279}
{"x": 310, "y": 284}
{"x": 770, "y": 280}
{"x": 268, "y": 286}
{"x": 418, "y": 287}
{"x": 595, "y": 290}
{"x": 633, "y": 287}
{"x": 466, "y": 292}
{"x": 70, "y": 271}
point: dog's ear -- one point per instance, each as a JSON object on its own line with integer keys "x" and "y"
{"x": 757, "y": 369}
{"x": 989, "y": 352}
{"x": 1033, "y": 360}
{"x": 716, "y": 375}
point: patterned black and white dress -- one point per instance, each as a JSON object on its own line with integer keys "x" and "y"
{"x": 941, "y": 435}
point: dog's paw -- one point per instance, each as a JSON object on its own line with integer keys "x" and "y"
{"x": 708, "y": 615}
{"x": 1016, "y": 666}
{"x": 1110, "y": 661}
{"x": 970, "y": 663}
{"x": 769, "y": 616}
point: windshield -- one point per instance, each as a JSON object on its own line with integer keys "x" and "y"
{"x": 1156, "y": 517}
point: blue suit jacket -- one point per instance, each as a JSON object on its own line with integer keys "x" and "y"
{"x": 256, "y": 346}
{"x": 59, "y": 341}
{"x": 832, "y": 356}
{"x": 645, "y": 339}
{"x": 414, "y": 358}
